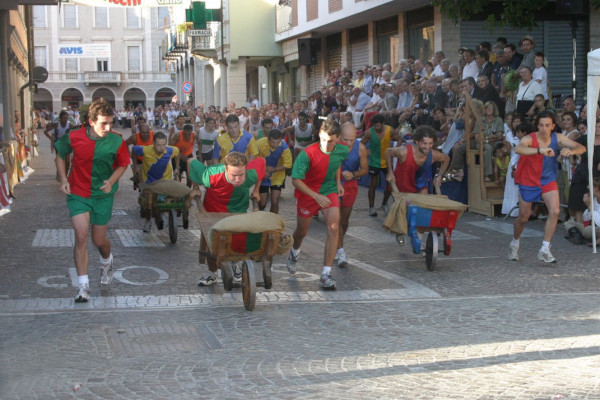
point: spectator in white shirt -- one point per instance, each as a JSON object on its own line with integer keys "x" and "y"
{"x": 470, "y": 69}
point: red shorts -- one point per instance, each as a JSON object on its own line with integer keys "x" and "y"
{"x": 307, "y": 207}
{"x": 350, "y": 193}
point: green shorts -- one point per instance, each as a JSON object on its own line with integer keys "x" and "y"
{"x": 100, "y": 208}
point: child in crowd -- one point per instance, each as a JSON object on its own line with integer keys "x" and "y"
{"x": 582, "y": 126}
{"x": 539, "y": 105}
{"x": 582, "y": 233}
{"x": 501, "y": 165}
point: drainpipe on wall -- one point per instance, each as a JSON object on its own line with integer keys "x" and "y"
{"x": 29, "y": 25}
{"x": 6, "y": 109}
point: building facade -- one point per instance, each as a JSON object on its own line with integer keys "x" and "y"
{"x": 134, "y": 72}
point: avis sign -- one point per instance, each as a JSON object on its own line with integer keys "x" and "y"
{"x": 79, "y": 50}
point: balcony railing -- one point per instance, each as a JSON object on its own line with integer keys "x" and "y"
{"x": 109, "y": 77}
{"x": 283, "y": 16}
{"x": 207, "y": 45}
{"x": 102, "y": 77}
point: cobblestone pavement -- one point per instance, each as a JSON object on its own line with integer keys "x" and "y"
{"x": 477, "y": 327}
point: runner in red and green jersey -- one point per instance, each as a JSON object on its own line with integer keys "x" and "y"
{"x": 378, "y": 139}
{"x": 227, "y": 190}
{"x": 316, "y": 177}
{"x": 100, "y": 157}
{"x": 223, "y": 192}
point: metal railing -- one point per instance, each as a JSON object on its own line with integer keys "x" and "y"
{"x": 203, "y": 43}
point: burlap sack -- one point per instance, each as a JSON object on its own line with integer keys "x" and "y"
{"x": 256, "y": 222}
{"x": 395, "y": 221}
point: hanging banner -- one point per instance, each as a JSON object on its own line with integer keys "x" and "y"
{"x": 87, "y": 50}
{"x": 125, "y": 3}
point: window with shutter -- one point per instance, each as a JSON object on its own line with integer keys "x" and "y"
{"x": 39, "y": 17}
{"x": 101, "y": 17}
{"x": 69, "y": 16}
{"x": 133, "y": 17}
{"x": 71, "y": 68}
{"x": 133, "y": 61}
{"x": 39, "y": 55}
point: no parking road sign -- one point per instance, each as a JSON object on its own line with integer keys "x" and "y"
{"x": 186, "y": 87}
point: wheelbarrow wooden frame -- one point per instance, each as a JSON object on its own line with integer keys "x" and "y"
{"x": 222, "y": 252}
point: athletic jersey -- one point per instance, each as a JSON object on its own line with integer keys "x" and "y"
{"x": 253, "y": 127}
{"x": 317, "y": 169}
{"x": 94, "y": 160}
{"x": 140, "y": 142}
{"x": 60, "y": 131}
{"x": 410, "y": 178}
{"x": 207, "y": 139}
{"x": 378, "y": 147}
{"x": 245, "y": 143}
{"x": 303, "y": 137}
{"x": 220, "y": 195}
{"x": 186, "y": 147}
{"x": 537, "y": 169}
{"x": 156, "y": 166}
{"x": 352, "y": 163}
{"x": 176, "y": 129}
{"x": 274, "y": 158}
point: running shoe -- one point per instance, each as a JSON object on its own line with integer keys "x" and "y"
{"x": 546, "y": 256}
{"x": 327, "y": 282}
{"x": 147, "y": 226}
{"x": 372, "y": 212}
{"x": 513, "y": 253}
{"x": 341, "y": 258}
{"x": 236, "y": 267}
{"x": 209, "y": 278}
{"x": 107, "y": 273}
{"x": 83, "y": 295}
{"x": 291, "y": 263}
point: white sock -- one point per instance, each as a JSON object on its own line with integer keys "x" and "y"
{"x": 515, "y": 242}
{"x": 83, "y": 280}
{"x": 326, "y": 270}
{"x": 295, "y": 252}
{"x": 105, "y": 261}
{"x": 545, "y": 245}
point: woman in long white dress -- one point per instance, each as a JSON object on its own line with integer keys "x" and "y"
{"x": 511, "y": 191}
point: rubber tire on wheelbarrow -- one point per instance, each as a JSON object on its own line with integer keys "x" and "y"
{"x": 248, "y": 285}
{"x": 172, "y": 226}
{"x": 159, "y": 221}
{"x": 431, "y": 250}
{"x": 186, "y": 221}
{"x": 227, "y": 276}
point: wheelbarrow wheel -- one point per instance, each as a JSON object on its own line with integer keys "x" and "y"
{"x": 431, "y": 250}
{"x": 172, "y": 226}
{"x": 248, "y": 285}
{"x": 227, "y": 276}
{"x": 185, "y": 218}
{"x": 267, "y": 274}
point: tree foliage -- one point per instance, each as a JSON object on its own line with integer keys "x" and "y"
{"x": 515, "y": 13}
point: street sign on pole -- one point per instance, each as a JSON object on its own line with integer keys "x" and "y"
{"x": 186, "y": 87}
